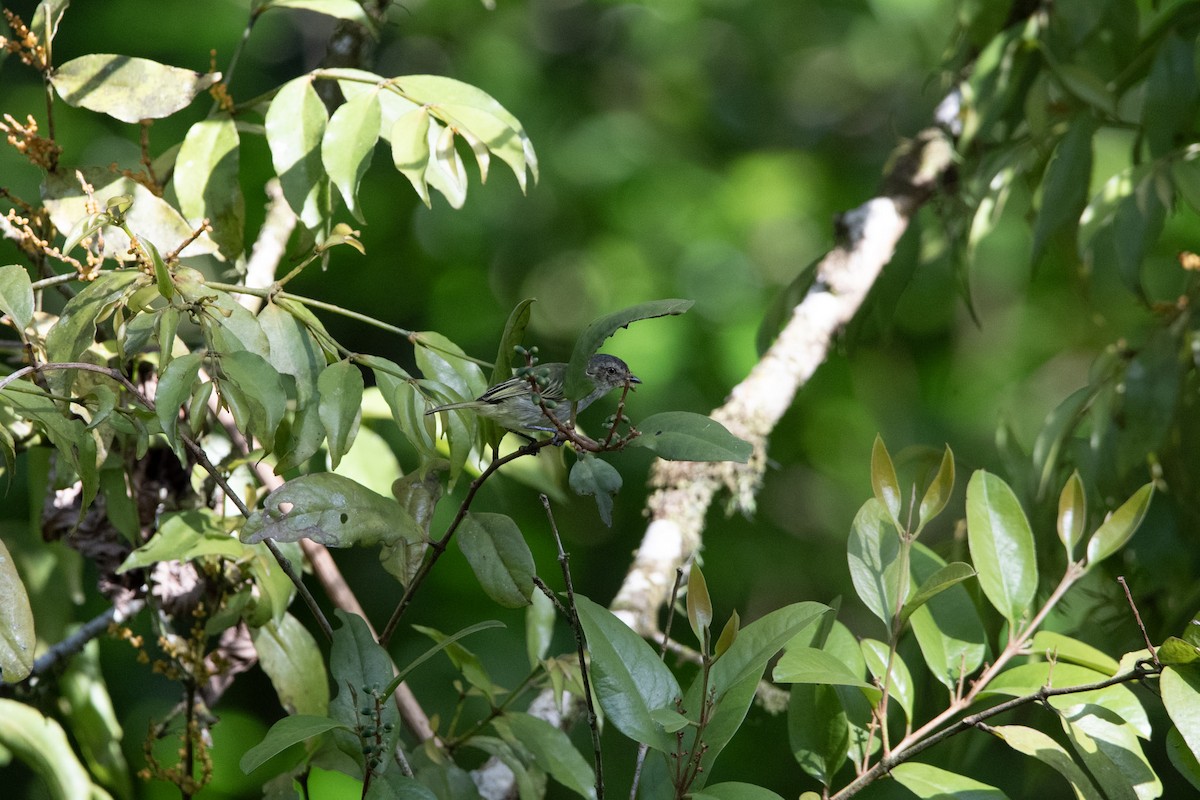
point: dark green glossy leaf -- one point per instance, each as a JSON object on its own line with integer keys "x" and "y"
{"x": 628, "y": 677}
{"x": 130, "y": 89}
{"x": 883, "y": 480}
{"x": 1065, "y": 187}
{"x": 810, "y": 665}
{"x": 818, "y": 732}
{"x": 360, "y": 669}
{"x": 1183, "y": 758}
{"x": 553, "y": 752}
{"x": 1110, "y": 750}
{"x": 594, "y": 477}
{"x": 685, "y": 436}
{"x": 261, "y": 388}
{"x": 293, "y": 350}
{"x": 1170, "y": 102}
{"x": 1137, "y": 223}
{"x": 734, "y": 790}
{"x": 285, "y": 733}
{"x": 947, "y": 626}
{"x": 1001, "y": 544}
{"x": 207, "y": 184}
{"x": 577, "y": 383}
{"x": 174, "y": 387}
{"x": 499, "y": 556}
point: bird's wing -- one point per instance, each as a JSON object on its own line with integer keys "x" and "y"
{"x": 507, "y": 390}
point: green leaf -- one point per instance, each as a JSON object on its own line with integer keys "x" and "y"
{"x": 16, "y": 295}
{"x": 513, "y": 336}
{"x": 1110, "y": 750}
{"x": 628, "y": 677}
{"x": 1061, "y": 648}
{"x": 699, "y": 605}
{"x": 183, "y": 536}
{"x": 577, "y": 384}
{"x": 88, "y": 712}
{"x": 130, "y": 89}
{"x": 329, "y": 509}
{"x": 70, "y": 437}
{"x": 1118, "y": 528}
{"x": 174, "y": 387}
{"x": 949, "y": 575}
{"x": 442, "y": 360}
{"x": 1181, "y": 698}
{"x": 1029, "y": 678}
{"x": 1001, "y": 544}
{"x": 685, "y": 436}
{"x": 937, "y": 495}
{"x": 1183, "y": 758}
{"x": 341, "y": 9}
{"x": 341, "y": 388}
{"x": 295, "y": 125}
{"x": 1177, "y": 652}
{"x": 1031, "y": 742}
{"x": 42, "y": 745}
{"x": 1137, "y": 224}
{"x": 348, "y": 144}
{"x": 1065, "y": 187}
{"x": 293, "y": 351}
{"x": 261, "y": 387}
{"x": 207, "y": 184}
{"x": 811, "y": 665}
{"x": 948, "y": 629}
{"x": 410, "y": 149}
{"x": 1072, "y": 513}
{"x": 361, "y": 669}
{"x": 900, "y": 684}
{"x": 285, "y": 733}
{"x": 499, "y": 556}
{"x": 75, "y": 330}
{"x": 873, "y": 551}
{"x": 1060, "y": 423}
{"x": 553, "y": 752}
{"x": 734, "y": 790}
{"x": 934, "y": 783}
{"x": 883, "y": 480}
{"x": 290, "y": 657}
{"x": 591, "y": 476}
{"x": 17, "y": 639}
{"x": 446, "y": 171}
{"x": 818, "y": 731}
{"x": 1170, "y": 101}
{"x": 539, "y": 627}
{"x": 466, "y": 662}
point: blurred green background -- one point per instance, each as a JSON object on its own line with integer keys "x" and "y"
{"x": 688, "y": 148}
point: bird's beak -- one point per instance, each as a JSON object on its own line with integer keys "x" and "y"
{"x": 634, "y": 379}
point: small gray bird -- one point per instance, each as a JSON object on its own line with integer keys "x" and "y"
{"x": 511, "y": 405}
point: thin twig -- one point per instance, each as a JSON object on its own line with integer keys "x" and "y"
{"x": 1138, "y": 618}
{"x": 581, "y": 646}
{"x": 85, "y": 633}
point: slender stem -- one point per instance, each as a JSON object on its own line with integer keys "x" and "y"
{"x": 54, "y": 280}
{"x": 581, "y": 646}
{"x": 273, "y": 291}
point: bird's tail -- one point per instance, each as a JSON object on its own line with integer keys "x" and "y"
{"x": 453, "y": 406}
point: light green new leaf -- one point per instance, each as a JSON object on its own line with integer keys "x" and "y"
{"x": 1072, "y": 513}
{"x": 1118, "y": 528}
{"x": 873, "y": 551}
{"x": 699, "y": 605}
{"x": 883, "y": 480}
{"x": 290, "y": 657}
{"x": 17, "y": 639}
{"x": 938, "y": 494}
{"x": 183, "y": 536}
{"x": 331, "y": 510}
{"x": 285, "y": 733}
{"x": 934, "y": 783}
{"x": 577, "y": 384}
{"x": 686, "y": 436}
{"x": 16, "y": 295}
{"x": 499, "y": 556}
{"x": 1001, "y": 544}
{"x": 295, "y": 125}
{"x": 628, "y": 677}
{"x": 130, "y": 89}
{"x": 341, "y": 389}
{"x": 348, "y": 144}
{"x": 1028, "y": 678}
{"x": 1060, "y": 647}
{"x": 1032, "y": 742}
{"x": 410, "y": 149}
{"x": 207, "y": 184}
